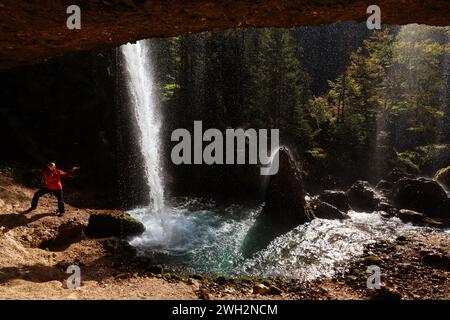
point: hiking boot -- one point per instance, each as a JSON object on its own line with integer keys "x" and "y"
{"x": 59, "y": 214}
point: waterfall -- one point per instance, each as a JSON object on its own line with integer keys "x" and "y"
{"x": 141, "y": 89}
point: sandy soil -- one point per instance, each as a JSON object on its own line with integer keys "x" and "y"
{"x": 28, "y": 272}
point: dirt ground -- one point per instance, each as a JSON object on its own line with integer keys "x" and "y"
{"x": 415, "y": 266}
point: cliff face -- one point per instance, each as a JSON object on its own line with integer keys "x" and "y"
{"x": 32, "y": 31}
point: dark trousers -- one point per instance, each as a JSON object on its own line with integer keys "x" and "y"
{"x": 57, "y": 193}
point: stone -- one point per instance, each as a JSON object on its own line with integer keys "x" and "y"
{"x": 221, "y": 280}
{"x": 338, "y": 199}
{"x": 113, "y": 224}
{"x": 384, "y": 186}
{"x": 193, "y": 282}
{"x": 411, "y": 216}
{"x": 325, "y": 210}
{"x": 203, "y": 294}
{"x": 285, "y": 196}
{"x": 437, "y": 259}
{"x": 422, "y": 195}
{"x": 273, "y": 290}
{"x": 155, "y": 269}
{"x": 229, "y": 290}
{"x": 284, "y": 207}
{"x": 387, "y": 208}
{"x": 362, "y": 197}
{"x": 197, "y": 277}
{"x": 260, "y": 289}
{"x": 419, "y": 218}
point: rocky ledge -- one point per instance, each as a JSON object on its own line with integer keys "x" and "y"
{"x": 35, "y": 30}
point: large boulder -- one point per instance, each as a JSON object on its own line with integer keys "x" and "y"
{"x": 284, "y": 206}
{"x": 285, "y": 195}
{"x": 362, "y": 197}
{"x": 324, "y": 210}
{"x": 422, "y": 195}
{"x": 338, "y": 199}
{"x": 385, "y": 187}
{"x": 113, "y": 224}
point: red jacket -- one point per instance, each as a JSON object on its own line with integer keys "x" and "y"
{"x": 53, "y": 178}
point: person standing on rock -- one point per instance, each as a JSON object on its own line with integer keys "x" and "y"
{"x": 52, "y": 176}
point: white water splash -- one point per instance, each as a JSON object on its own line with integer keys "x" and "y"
{"x": 210, "y": 241}
{"x": 140, "y": 85}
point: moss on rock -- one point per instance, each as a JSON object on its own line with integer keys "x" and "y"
{"x": 443, "y": 177}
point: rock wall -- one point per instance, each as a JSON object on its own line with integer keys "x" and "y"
{"x": 32, "y": 31}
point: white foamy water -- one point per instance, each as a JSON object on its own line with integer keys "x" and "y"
{"x": 210, "y": 241}
{"x": 141, "y": 90}
{"x": 316, "y": 248}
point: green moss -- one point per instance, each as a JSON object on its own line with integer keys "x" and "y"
{"x": 318, "y": 153}
{"x": 443, "y": 176}
{"x": 413, "y": 161}
{"x": 410, "y": 161}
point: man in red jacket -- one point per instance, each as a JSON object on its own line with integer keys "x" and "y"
{"x": 52, "y": 176}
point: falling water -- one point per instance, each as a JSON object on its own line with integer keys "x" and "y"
{"x": 194, "y": 237}
{"x": 140, "y": 85}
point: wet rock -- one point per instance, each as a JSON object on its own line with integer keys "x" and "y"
{"x": 418, "y": 218}
{"x": 260, "y": 289}
{"x": 337, "y": 199}
{"x": 422, "y": 195}
{"x": 325, "y": 210}
{"x": 385, "y": 187}
{"x": 386, "y": 207}
{"x": 113, "y": 224}
{"x": 120, "y": 248}
{"x": 175, "y": 277}
{"x": 362, "y": 197}
{"x": 411, "y": 216}
{"x": 285, "y": 194}
{"x": 197, "y": 277}
{"x": 284, "y": 206}
{"x": 156, "y": 269}
{"x": 221, "y": 280}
